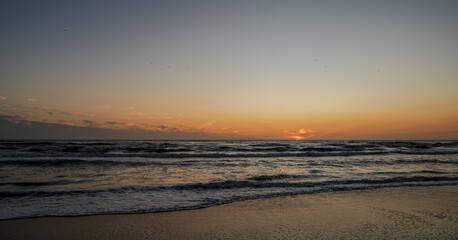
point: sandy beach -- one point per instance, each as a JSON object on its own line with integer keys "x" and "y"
{"x": 386, "y": 213}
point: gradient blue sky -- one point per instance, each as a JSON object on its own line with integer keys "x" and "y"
{"x": 229, "y": 69}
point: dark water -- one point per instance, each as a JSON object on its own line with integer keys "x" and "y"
{"x": 70, "y": 178}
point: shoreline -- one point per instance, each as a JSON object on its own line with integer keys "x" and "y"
{"x": 395, "y": 212}
{"x": 236, "y": 201}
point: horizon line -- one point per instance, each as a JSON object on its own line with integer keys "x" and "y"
{"x": 120, "y": 139}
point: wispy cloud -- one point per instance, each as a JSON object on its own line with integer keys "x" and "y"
{"x": 52, "y": 111}
{"x": 5, "y": 105}
{"x": 113, "y": 123}
{"x": 207, "y": 124}
{"x": 18, "y": 127}
{"x": 80, "y": 114}
{"x": 164, "y": 130}
{"x": 134, "y": 121}
{"x": 90, "y": 123}
{"x": 300, "y": 134}
{"x": 3, "y": 98}
{"x": 12, "y": 118}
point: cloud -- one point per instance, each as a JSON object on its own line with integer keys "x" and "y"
{"x": 80, "y": 114}
{"x": 31, "y": 100}
{"x": 15, "y": 127}
{"x": 113, "y": 123}
{"x": 52, "y": 111}
{"x": 26, "y": 113}
{"x": 305, "y": 131}
{"x": 155, "y": 127}
{"x": 105, "y": 106}
{"x": 90, "y": 123}
{"x": 12, "y": 118}
{"x": 3, "y": 98}
{"x": 16, "y": 119}
{"x": 44, "y": 107}
{"x": 129, "y": 124}
{"x": 300, "y": 134}
{"x": 164, "y": 129}
{"x": 207, "y": 124}
{"x": 5, "y": 105}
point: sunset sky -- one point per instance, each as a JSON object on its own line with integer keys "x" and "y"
{"x": 229, "y": 69}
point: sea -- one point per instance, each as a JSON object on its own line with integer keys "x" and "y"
{"x": 76, "y": 178}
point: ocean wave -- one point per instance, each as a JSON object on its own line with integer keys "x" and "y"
{"x": 40, "y": 153}
{"x": 157, "y": 149}
{"x": 272, "y": 184}
{"x": 272, "y": 177}
{"x": 250, "y": 183}
{"x": 289, "y": 148}
{"x": 39, "y": 184}
{"x": 149, "y": 176}
{"x": 76, "y": 162}
{"x": 231, "y": 161}
{"x": 406, "y": 173}
{"x": 26, "y": 143}
{"x": 141, "y": 207}
{"x": 93, "y": 143}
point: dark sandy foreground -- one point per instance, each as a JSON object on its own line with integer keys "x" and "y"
{"x": 388, "y": 213}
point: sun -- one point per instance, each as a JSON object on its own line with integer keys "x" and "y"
{"x": 297, "y": 137}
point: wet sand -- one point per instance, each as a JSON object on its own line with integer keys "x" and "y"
{"x": 386, "y": 213}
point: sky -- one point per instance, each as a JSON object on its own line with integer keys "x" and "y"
{"x": 229, "y": 69}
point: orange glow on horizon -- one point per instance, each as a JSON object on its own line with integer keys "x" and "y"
{"x": 297, "y": 137}
{"x": 409, "y": 123}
